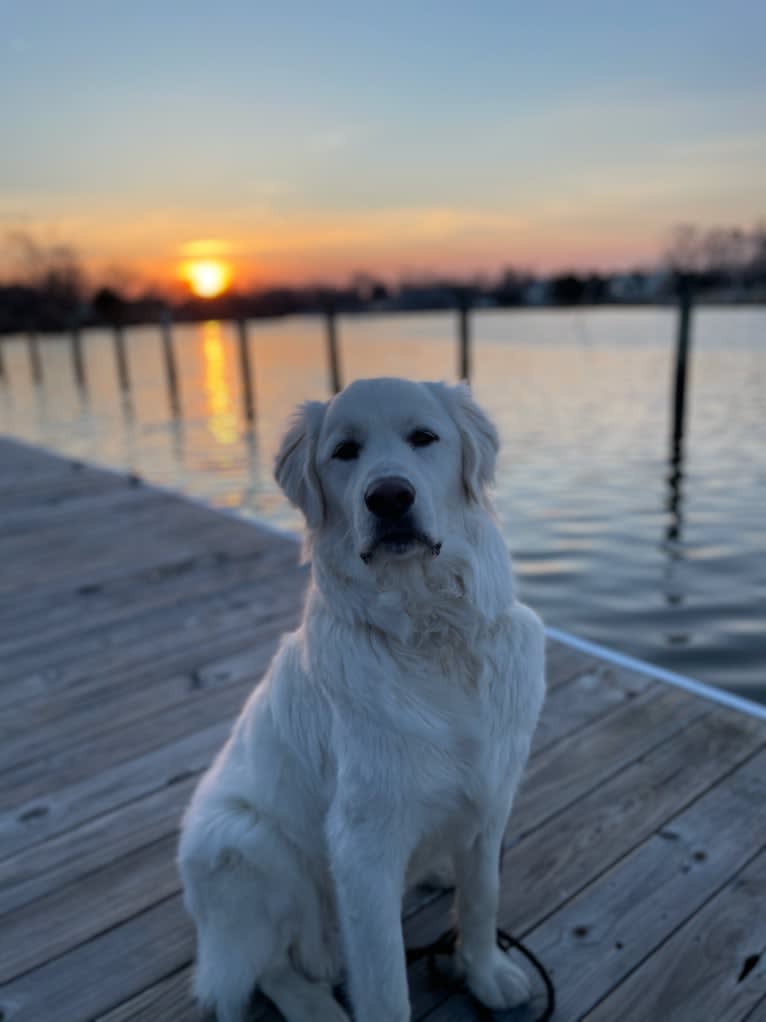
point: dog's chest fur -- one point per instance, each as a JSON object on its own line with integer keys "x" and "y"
{"x": 441, "y": 705}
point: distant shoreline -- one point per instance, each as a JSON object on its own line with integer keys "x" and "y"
{"x": 204, "y": 314}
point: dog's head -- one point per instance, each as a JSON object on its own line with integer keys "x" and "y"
{"x": 387, "y": 465}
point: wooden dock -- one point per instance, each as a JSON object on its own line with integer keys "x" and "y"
{"x": 132, "y": 625}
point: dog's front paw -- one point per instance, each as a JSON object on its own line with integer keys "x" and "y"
{"x": 496, "y": 981}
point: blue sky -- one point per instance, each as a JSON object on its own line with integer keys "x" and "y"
{"x": 313, "y": 139}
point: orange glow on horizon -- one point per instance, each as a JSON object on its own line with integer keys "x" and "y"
{"x": 298, "y": 250}
{"x": 207, "y": 278}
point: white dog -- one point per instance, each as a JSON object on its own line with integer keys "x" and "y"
{"x": 391, "y": 729}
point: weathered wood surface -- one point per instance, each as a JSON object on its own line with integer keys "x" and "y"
{"x": 132, "y": 625}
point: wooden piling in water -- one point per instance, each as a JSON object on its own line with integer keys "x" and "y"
{"x": 683, "y": 338}
{"x": 35, "y": 362}
{"x": 464, "y": 340}
{"x": 166, "y": 332}
{"x": 78, "y": 362}
{"x": 333, "y": 360}
{"x": 244, "y": 366}
{"x": 121, "y": 359}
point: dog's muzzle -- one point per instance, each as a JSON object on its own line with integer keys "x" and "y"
{"x": 391, "y": 499}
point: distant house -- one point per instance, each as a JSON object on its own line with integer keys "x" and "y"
{"x": 423, "y": 296}
{"x": 537, "y": 292}
{"x": 639, "y": 286}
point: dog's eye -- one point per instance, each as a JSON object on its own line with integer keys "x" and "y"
{"x": 422, "y": 438}
{"x": 346, "y": 451}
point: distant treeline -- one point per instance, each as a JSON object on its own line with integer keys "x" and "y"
{"x": 50, "y": 294}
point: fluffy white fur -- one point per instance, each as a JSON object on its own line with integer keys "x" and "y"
{"x": 392, "y": 726}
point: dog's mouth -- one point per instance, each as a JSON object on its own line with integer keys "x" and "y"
{"x": 400, "y": 540}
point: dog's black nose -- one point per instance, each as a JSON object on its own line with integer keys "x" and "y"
{"x": 390, "y": 498}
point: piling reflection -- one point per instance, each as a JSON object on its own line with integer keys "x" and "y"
{"x": 177, "y": 444}
{"x": 35, "y": 361}
{"x": 673, "y": 545}
{"x": 78, "y": 363}
{"x": 171, "y": 372}
{"x": 127, "y": 408}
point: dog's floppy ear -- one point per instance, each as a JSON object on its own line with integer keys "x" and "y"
{"x": 478, "y": 436}
{"x": 295, "y": 465}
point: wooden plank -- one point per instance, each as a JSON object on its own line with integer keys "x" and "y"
{"x": 50, "y": 516}
{"x": 135, "y": 628}
{"x": 218, "y": 655}
{"x": 133, "y": 984}
{"x": 597, "y": 938}
{"x": 564, "y": 662}
{"x": 104, "y": 546}
{"x": 102, "y": 606}
{"x": 713, "y": 967}
{"x": 572, "y": 704}
{"x": 582, "y": 842}
{"x": 162, "y": 520}
{"x": 583, "y": 762}
{"x": 166, "y": 658}
{"x": 52, "y": 864}
{"x": 74, "y": 653}
{"x": 224, "y": 659}
{"x": 96, "y": 735}
{"x": 553, "y": 862}
{"x": 56, "y": 515}
{"x": 106, "y": 749}
{"x": 59, "y": 603}
{"x": 758, "y": 1014}
{"x": 54, "y": 924}
{"x": 38, "y": 471}
{"x": 95, "y": 976}
{"x": 138, "y": 626}
{"x": 55, "y": 812}
{"x": 170, "y": 1000}
{"x": 166, "y": 928}
{"x": 56, "y": 496}
{"x": 594, "y": 941}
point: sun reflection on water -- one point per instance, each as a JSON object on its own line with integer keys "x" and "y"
{"x": 221, "y": 416}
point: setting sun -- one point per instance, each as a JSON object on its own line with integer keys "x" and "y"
{"x": 207, "y": 278}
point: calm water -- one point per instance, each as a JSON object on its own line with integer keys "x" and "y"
{"x": 606, "y": 545}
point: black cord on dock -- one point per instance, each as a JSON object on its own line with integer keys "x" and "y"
{"x": 445, "y": 945}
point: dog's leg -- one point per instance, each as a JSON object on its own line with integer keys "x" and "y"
{"x": 488, "y": 972}
{"x": 225, "y": 976}
{"x": 232, "y": 951}
{"x": 300, "y": 999}
{"x": 239, "y": 933}
{"x": 492, "y": 976}
{"x": 368, "y": 869}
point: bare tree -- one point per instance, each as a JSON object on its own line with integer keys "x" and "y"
{"x": 685, "y": 252}
{"x": 50, "y": 275}
{"x": 725, "y": 252}
{"x": 52, "y": 269}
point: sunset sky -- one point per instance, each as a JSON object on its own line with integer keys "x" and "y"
{"x": 308, "y": 140}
